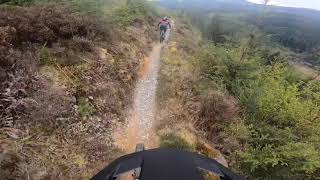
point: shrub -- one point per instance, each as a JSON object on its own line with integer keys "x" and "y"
{"x": 294, "y": 160}
{"x": 45, "y": 57}
{"x": 7, "y": 36}
{"x": 81, "y": 44}
{"x": 216, "y": 111}
{"x": 279, "y": 103}
{"x": 239, "y": 131}
{"x": 281, "y": 121}
{"x": 17, "y": 2}
{"x": 85, "y": 108}
{"x": 133, "y": 10}
{"x": 281, "y": 112}
{"x": 48, "y": 24}
{"x": 173, "y": 141}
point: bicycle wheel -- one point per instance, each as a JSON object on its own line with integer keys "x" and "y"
{"x": 140, "y": 147}
{"x": 137, "y": 171}
{"x": 162, "y": 36}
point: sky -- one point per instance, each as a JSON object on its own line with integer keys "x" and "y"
{"x": 311, "y": 4}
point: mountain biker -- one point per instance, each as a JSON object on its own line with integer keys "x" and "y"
{"x": 164, "y": 24}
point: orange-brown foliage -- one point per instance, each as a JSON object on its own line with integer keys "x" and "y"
{"x": 216, "y": 110}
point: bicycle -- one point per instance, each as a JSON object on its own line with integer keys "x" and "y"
{"x": 162, "y": 35}
{"x": 137, "y": 171}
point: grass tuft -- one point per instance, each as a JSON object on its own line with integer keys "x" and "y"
{"x": 86, "y": 109}
{"x": 173, "y": 141}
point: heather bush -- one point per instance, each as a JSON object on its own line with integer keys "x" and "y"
{"x": 216, "y": 111}
{"x": 48, "y": 24}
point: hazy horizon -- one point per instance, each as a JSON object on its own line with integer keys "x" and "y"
{"x": 310, "y": 4}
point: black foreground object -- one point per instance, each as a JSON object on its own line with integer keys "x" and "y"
{"x": 166, "y": 164}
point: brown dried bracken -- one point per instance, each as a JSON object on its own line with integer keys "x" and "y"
{"x": 216, "y": 109}
{"x": 48, "y": 24}
{"x": 49, "y": 63}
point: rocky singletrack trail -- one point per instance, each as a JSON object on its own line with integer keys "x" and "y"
{"x": 140, "y": 123}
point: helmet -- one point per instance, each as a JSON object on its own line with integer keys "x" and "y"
{"x": 163, "y": 163}
{"x": 165, "y": 18}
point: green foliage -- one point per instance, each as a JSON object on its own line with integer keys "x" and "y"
{"x": 311, "y": 91}
{"x": 240, "y": 131}
{"x": 173, "y": 141}
{"x": 282, "y": 110}
{"x": 281, "y": 120}
{"x": 126, "y": 15}
{"x": 132, "y": 11}
{"x": 85, "y": 108}
{"x": 45, "y": 57}
{"x": 279, "y": 100}
{"x": 210, "y": 61}
{"x": 215, "y": 30}
{"x": 89, "y": 7}
{"x": 288, "y": 161}
{"x": 120, "y": 12}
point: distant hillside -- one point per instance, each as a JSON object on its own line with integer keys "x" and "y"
{"x": 296, "y": 28}
{"x": 207, "y": 5}
{"x": 233, "y": 5}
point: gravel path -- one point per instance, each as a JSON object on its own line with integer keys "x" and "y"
{"x": 145, "y": 97}
{"x": 140, "y": 123}
{"x": 140, "y": 127}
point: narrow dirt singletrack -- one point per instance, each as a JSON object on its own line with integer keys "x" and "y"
{"x": 140, "y": 127}
{"x": 140, "y": 122}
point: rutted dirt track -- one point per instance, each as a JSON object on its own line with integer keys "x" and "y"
{"x": 140, "y": 123}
